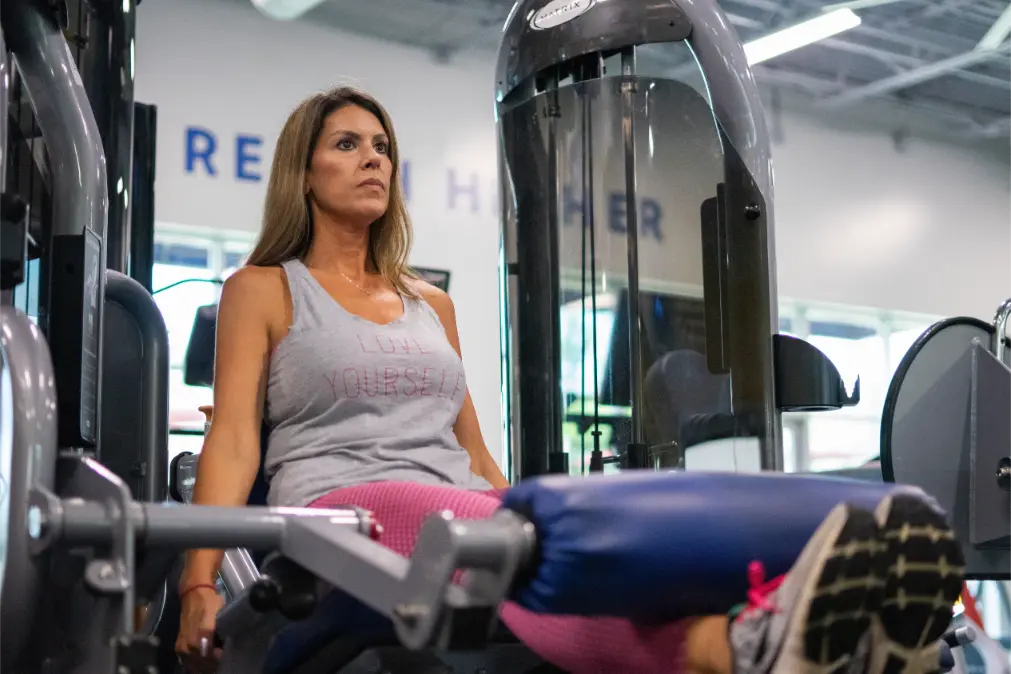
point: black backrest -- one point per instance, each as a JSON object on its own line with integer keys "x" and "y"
{"x": 198, "y": 365}
{"x": 133, "y": 427}
{"x": 183, "y": 473}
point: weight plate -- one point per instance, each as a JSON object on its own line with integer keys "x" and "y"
{"x": 925, "y": 422}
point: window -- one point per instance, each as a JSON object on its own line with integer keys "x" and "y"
{"x": 868, "y": 344}
{"x": 188, "y": 268}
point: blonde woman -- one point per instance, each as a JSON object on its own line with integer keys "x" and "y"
{"x": 355, "y": 366}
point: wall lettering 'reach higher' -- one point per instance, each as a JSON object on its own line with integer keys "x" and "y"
{"x": 207, "y": 154}
{"x": 557, "y": 12}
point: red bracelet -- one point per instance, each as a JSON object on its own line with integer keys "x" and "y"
{"x": 197, "y": 587}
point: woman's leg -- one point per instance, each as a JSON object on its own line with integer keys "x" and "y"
{"x": 814, "y": 619}
{"x": 575, "y": 644}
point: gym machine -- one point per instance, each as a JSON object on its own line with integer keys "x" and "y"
{"x": 80, "y": 552}
{"x": 637, "y": 190}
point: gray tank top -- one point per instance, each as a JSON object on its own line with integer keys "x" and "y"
{"x": 350, "y": 401}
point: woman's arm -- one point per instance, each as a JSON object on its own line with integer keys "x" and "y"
{"x": 467, "y": 427}
{"x": 230, "y": 456}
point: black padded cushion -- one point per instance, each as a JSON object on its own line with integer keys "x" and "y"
{"x": 198, "y": 365}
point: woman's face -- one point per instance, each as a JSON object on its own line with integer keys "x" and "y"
{"x": 349, "y": 174}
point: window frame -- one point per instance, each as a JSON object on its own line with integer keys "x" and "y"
{"x": 801, "y": 313}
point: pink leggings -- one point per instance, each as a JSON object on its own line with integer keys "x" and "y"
{"x": 576, "y": 644}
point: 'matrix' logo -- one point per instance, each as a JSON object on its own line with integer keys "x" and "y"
{"x": 557, "y": 12}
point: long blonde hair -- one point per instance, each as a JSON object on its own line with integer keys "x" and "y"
{"x": 287, "y": 230}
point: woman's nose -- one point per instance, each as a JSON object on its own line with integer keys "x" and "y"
{"x": 371, "y": 158}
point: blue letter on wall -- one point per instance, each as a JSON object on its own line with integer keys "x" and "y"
{"x": 650, "y": 214}
{"x": 246, "y": 159}
{"x": 200, "y": 145}
{"x": 455, "y": 189}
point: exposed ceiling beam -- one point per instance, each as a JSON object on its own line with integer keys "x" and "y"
{"x": 999, "y": 31}
{"x": 898, "y": 62}
{"x": 913, "y": 77}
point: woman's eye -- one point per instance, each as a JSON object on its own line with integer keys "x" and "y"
{"x": 381, "y": 148}
{"x": 345, "y": 144}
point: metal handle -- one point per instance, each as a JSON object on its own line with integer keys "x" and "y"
{"x": 1000, "y": 320}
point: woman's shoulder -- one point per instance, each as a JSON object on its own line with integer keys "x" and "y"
{"x": 256, "y": 278}
{"x": 255, "y": 286}
{"x": 428, "y": 292}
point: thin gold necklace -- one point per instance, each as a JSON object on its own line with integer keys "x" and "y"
{"x": 357, "y": 285}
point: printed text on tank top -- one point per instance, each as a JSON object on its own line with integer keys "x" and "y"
{"x": 393, "y": 379}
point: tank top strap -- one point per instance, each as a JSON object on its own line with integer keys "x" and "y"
{"x": 424, "y": 310}
{"x": 306, "y": 303}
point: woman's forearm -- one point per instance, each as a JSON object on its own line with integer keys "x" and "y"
{"x": 491, "y": 472}
{"x": 224, "y": 477}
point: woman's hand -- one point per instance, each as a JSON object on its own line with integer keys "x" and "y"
{"x": 195, "y": 644}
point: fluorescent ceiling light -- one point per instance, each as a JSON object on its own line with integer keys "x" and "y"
{"x": 998, "y": 32}
{"x": 285, "y": 10}
{"x": 800, "y": 35}
{"x": 857, "y": 4}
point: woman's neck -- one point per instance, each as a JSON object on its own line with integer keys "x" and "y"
{"x": 339, "y": 247}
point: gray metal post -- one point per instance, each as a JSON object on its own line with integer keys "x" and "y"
{"x": 77, "y": 161}
{"x": 28, "y": 458}
{"x": 632, "y": 241}
{"x": 6, "y": 296}
{"x": 5, "y": 75}
{"x": 71, "y": 315}
{"x": 1000, "y": 321}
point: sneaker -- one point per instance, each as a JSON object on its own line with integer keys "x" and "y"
{"x": 816, "y": 618}
{"x": 924, "y": 579}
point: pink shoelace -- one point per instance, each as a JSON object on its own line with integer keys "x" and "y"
{"x": 760, "y": 590}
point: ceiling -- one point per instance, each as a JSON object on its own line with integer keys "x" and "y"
{"x": 917, "y": 54}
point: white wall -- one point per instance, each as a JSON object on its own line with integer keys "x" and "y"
{"x": 858, "y": 222}
{"x": 924, "y": 229}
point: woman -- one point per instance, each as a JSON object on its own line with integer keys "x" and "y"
{"x": 357, "y": 366}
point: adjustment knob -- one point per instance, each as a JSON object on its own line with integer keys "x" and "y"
{"x": 1004, "y": 474}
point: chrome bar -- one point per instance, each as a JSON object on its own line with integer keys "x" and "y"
{"x": 1000, "y": 320}
{"x": 628, "y": 88}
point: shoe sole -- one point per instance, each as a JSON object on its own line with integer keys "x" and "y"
{"x": 841, "y": 604}
{"x": 925, "y": 574}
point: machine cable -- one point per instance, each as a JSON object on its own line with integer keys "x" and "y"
{"x": 589, "y": 230}
{"x": 636, "y": 450}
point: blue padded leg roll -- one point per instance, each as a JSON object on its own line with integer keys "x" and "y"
{"x": 662, "y": 546}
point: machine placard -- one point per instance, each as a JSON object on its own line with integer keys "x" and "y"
{"x": 91, "y": 323}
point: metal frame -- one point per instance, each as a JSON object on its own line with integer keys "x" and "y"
{"x": 72, "y": 316}
{"x": 94, "y": 512}
{"x": 578, "y": 34}
{"x": 107, "y": 68}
